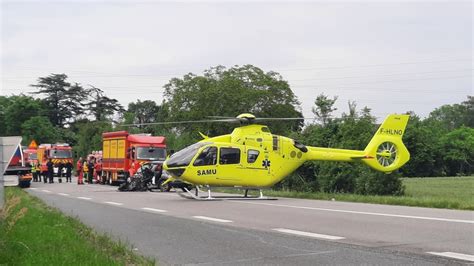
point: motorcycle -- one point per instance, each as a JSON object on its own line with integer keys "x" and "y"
{"x": 143, "y": 179}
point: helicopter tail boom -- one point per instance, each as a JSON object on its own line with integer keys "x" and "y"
{"x": 385, "y": 152}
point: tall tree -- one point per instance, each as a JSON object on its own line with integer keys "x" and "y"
{"x": 4, "y": 102}
{"x": 456, "y": 115}
{"x": 458, "y": 147}
{"x": 469, "y": 115}
{"x": 40, "y": 129}
{"x": 422, "y": 139}
{"x": 101, "y": 106}
{"x": 352, "y": 110}
{"x": 230, "y": 92}
{"x": 142, "y": 112}
{"x": 18, "y": 109}
{"x": 324, "y": 106}
{"x": 63, "y": 100}
{"x": 90, "y": 136}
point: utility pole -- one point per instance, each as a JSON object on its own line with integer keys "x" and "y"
{"x": 8, "y": 146}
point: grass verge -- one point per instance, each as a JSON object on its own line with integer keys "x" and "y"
{"x": 437, "y": 192}
{"x": 32, "y": 233}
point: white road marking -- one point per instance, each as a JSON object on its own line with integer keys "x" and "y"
{"x": 84, "y": 198}
{"x": 113, "y": 203}
{"x": 454, "y": 255}
{"x": 302, "y": 233}
{"x": 47, "y": 191}
{"x": 34, "y": 188}
{"x": 366, "y": 213}
{"x": 63, "y": 194}
{"x": 153, "y": 210}
{"x": 212, "y": 219}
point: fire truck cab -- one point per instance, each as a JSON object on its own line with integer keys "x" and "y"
{"x": 123, "y": 153}
{"x": 59, "y": 153}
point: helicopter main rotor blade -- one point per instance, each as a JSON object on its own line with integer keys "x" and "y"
{"x": 283, "y": 118}
{"x": 221, "y": 117}
{"x": 225, "y": 120}
{"x": 184, "y": 122}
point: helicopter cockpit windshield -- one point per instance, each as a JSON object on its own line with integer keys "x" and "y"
{"x": 184, "y": 156}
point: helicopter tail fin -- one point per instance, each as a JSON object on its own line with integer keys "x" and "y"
{"x": 386, "y": 151}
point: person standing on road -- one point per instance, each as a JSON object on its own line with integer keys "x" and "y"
{"x": 79, "y": 172}
{"x": 85, "y": 171}
{"x": 68, "y": 171}
{"x": 60, "y": 172}
{"x": 38, "y": 171}
{"x": 34, "y": 173}
{"x": 50, "y": 166}
{"x": 90, "y": 175}
{"x": 98, "y": 171}
{"x": 45, "y": 175}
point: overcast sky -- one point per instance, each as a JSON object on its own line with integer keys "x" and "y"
{"x": 390, "y": 56}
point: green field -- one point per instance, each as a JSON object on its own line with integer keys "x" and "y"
{"x": 437, "y": 192}
{"x": 32, "y": 233}
{"x": 447, "y": 192}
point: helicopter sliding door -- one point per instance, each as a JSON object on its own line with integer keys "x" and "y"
{"x": 256, "y": 167}
{"x": 230, "y": 165}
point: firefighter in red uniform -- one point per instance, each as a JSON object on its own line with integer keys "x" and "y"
{"x": 133, "y": 168}
{"x": 98, "y": 170}
{"x": 79, "y": 172}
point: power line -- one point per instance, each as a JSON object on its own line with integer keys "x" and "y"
{"x": 345, "y": 77}
{"x": 378, "y": 65}
{"x": 297, "y": 87}
{"x": 111, "y": 74}
{"x": 384, "y": 75}
{"x": 395, "y": 80}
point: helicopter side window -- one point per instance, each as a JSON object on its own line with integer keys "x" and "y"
{"x": 252, "y": 156}
{"x": 229, "y": 156}
{"x": 208, "y": 156}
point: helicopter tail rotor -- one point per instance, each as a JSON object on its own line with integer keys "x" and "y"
{"x": 386, "y": 151}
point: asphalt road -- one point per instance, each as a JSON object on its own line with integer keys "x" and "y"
{"x": 283, "y": 231}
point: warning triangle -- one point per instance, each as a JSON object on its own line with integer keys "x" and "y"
{"x": 33, "y": 145}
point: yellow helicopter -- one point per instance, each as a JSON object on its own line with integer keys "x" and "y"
{"x": 251, "y": 157}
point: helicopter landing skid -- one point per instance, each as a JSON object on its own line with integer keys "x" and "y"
{"x": 189, "y": 195}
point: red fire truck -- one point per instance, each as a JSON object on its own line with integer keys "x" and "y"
{"x": 59, "y": 153}
{"x": 122, "y": 153}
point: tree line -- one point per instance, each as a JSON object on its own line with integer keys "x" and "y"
{"x": 440, "y": 145}
{"x": 58, "y": 110}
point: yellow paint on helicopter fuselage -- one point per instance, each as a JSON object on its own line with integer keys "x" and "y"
{"x": 265, "y": 159}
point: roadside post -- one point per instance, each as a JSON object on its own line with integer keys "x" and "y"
{"x": 8, "y": 146}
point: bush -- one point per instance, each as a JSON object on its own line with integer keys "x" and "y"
{"x": 341, "y": 177}
{"x": 337, "y": 177}
{"x": 370, "y": 182}
{"x": 302, "y": 180}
